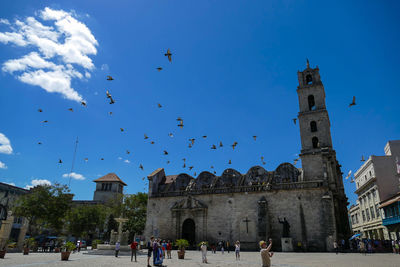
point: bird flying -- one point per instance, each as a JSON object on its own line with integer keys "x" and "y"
{"x": 40, "y": 110}
{"x": 255, "y": 137}
{"x": 152, "y": 142}
{"x": 353, "y": 103}
{"x": 294, "y": 120}
{"x": 213, "y": 147}
{"x": 159, "y": 105}
{"x": 128, "y": 152}
{"x": 109, "y": 78}
{"x": 83, "y": 103}
{"x": 229, "y": 162}
{"x": 180, "y": 125}
{"x": 168, "y": 54}
{"x": 165, "y": 152}
{"x": 141, "y": 167}
{"x": 145, "y": 136}
{"x": 220, "y": 144}
{"x": 362, "y": 158}
{"x": 45, "y": 121}
{"x": 59, "y": 161}
{"x": 204, "y": 136}
{"x": 190, "y": 168}
{"x": 122, "y": 129}
{"x": 39, "y": 143}
{"x": 70, "y": 109}
{"x": 159, "y": 69}
{"x": 234, "y": 145}
{"x": 86, "y": 159}
{"x": 348, "y": 175}
{"x": 170, "y": 135}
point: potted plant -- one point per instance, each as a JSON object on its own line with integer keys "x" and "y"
{"x": 182, "y": 244}
{"x": 66, "y": 250}
{"x": 28, "y": 244}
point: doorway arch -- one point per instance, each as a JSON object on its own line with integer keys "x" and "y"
{"x": 189, "y": 231}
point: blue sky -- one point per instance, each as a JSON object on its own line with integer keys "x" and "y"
{"x": 233, "y": 75}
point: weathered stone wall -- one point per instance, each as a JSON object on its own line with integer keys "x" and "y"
{"x": 225, "y": 215}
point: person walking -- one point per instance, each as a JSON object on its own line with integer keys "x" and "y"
{"x": 222, "y": 247}
{"x": 169, "y": 248}
{"x": 237, "y": 250}
{"x": 117, "y": 248}
{"x": 335, "y": 246}
{"x": 134, "y": 245}
{"x": 265, "y": 253}
{"x": 149, "y": 250}
{"x": 203, "y": 249}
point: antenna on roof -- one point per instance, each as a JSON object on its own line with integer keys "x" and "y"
{"x": 73, "y": 161}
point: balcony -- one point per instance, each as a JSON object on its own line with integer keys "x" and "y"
{"x": 391, "y": 220}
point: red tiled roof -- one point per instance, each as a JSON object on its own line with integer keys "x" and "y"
{"x": 111, "y": 177}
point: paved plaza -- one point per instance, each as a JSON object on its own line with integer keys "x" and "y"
{"x": 193, "y": 258}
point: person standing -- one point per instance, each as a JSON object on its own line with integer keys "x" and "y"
{"x": 222, "y": 247}
{"x": 265, "y": 254}
{"x": 169, "y": 248}
{"x": 117, "y": 248}
{"x": 203, "y": 249}
{"x": 134, "y": 245}
{"x": 149, "y": 250}
{"x": 227, "y": 246}
{"x": 237, "y": 250}
{"x": 335, "y": 246}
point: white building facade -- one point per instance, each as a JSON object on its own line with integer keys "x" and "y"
{"x": 376, "y": 180}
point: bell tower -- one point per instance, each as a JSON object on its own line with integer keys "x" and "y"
{"x": 318, "y": 158}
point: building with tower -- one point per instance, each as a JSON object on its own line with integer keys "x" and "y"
{"x": 108, "y": 187}
{"x": 300, "y": 209}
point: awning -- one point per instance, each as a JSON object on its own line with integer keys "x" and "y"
{"x": 391, "y": 201}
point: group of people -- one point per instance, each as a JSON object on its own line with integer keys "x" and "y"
{"x": 158, "y": 248}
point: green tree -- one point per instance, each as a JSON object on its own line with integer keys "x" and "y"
{"x": 86, "y": 220}
{"x": 45, "y": 205}
{"x": 111, "y": 225}
{"x": 135, "y": 209}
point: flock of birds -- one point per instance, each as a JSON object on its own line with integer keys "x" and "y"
{"x": 180, "y": 124}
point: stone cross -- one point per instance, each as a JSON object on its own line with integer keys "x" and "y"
{"x": 247, "y": 224}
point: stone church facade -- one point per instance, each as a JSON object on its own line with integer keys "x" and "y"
{"x": 251, "y": 207}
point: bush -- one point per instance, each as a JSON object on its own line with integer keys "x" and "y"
{"x": 96, "y": 242}
{"x": 182, "y": 244}
{"x": 69, "y": 246}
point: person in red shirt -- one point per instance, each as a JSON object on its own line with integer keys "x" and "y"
{"x": 134, "y": 245}
{"x": 169, "y": 248}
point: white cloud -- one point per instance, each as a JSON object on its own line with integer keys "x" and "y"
{"x": 36, "y": 182}
{"x": 74, "y": 175}
{"x": 69, "y": 43}
{"x": 4, "y": 21}
{"x": 3, "y": 165}
{"x": 119, "y": 158}
{"x": 5, "y": 145}
{"x": 127, "y": 161}
{"x": 105, "y": 67}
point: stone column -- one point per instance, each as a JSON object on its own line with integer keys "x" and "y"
{"x": 121, "y": 222}
{"x": 5, "y": 230}
{"x": 22, "y": 233}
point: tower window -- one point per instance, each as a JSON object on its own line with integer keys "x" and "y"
{"x": 311, "y": 102}
{"x": 313, "y": 126}
{"x": 308, "y": 79}
{"x": 315, "y": 142}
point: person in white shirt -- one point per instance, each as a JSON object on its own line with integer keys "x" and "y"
{"x": 203, "y": 249}
{"x": 237, "y": 250}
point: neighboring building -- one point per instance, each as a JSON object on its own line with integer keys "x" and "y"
{"x": 391, "y": 208}
{"x": 375, "y": 180}
{"x": 354, "y": 216}
{"x": 12, "y": 228}
{"x": 108, "y": 187}
{"x": 308, "y": 205}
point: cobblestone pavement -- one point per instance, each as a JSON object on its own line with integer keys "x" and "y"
{"x": 193, "y": 258}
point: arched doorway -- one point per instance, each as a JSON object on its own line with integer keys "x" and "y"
{"x": 189, "y": 231}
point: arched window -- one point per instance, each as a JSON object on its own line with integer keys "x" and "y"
{"x": 315, "y": 142}
{"x": 308, "y": 79}
{"x": 313, "y": 126}
{"x": 311, "y": 102}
